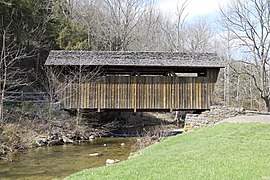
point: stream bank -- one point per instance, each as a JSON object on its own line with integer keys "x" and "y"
{"x": 28, "y": 126}
{"x": 85, "y": 149}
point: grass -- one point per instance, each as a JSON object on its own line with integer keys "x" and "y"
{"x": 225, "y": 151}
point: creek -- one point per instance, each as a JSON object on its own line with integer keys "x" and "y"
{"x": 61, "y": 161}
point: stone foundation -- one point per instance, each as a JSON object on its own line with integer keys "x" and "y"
{"x": 212, "y": 116}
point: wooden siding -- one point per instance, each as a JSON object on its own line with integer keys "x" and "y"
{"x": 141, "y": 92}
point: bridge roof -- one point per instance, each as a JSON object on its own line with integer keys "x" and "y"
{"x": 134, "y": 59}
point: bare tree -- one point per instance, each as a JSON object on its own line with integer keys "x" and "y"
{"x": 148, "y": 35}
{"x": 174, "y": 31}
{"x": 179, "y": 24}
{"x": 88, "y": 13}
{"x": 122, "y": 18}
{"x": 9, "y": 78}
{"x": 249, "y": 24}
{"x": 199, "y": 36}
{"x": 129, "y": 25}
{"x": 15, "y": 47}
{"x": 57, "y": 81}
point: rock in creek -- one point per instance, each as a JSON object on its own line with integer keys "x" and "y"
{"x": 93, "y": 154}
{"x": 112, "y": 161}
{"x": 55, "y": 143}
{"x": 41, "y": 142}
{"x": 92, "y": 137}
{"x": 67, "y": 140}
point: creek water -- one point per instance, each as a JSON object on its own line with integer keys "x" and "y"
{"x": 61, "y": 161}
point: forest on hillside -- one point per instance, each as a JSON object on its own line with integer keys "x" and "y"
{"x": 31, "y": 28}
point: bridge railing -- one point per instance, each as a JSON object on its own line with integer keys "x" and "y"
{"x": 19, "y": 97}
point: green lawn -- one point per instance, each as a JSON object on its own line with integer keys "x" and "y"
{"x": 224, "y": 151}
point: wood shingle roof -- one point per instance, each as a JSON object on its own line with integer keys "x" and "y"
{"x": 128, "y": 58}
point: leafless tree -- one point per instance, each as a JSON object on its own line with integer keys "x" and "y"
{"x": 180, "y": 20}
{"x": 249, "y": 23}
{"x": 89, "y": 14}
{"x": 10, "y": 75}
{"x": 131, "y": 25}
{"x": 13, "y": 53}
{"x": 199, "y": 36}
{"x": 149, "y": 35}
{"x": 174, "y": 31}
{"x": 57, "y": 81}
{"x": 123, "y": 16}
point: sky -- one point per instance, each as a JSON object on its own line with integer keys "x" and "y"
{"x": 195, "y": 8}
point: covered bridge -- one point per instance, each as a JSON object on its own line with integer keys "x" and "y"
{"x": 137, "y": 81}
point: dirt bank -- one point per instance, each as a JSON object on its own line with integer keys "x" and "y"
{"x": 31, "y": 127}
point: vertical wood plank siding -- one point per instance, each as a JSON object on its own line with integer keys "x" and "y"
{"x": 141, "y": 92}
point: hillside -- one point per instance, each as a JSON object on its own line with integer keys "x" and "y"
{"x": 224, "y": 151}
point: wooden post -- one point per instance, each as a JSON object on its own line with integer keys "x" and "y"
{"x": 191, "y": 93}
{"x": 172, "y": 94}
{"x": 99, "y": 96}
{"x": 164, "y": 92}
{"x": 199, "y": 92}
{"x": 135, "y": 94}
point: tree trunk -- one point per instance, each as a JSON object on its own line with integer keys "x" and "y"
{"x": 1, "y": 111}
{"x": 267, "y": 103}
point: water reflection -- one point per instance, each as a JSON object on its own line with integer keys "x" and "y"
{"x": 61, "y": 161}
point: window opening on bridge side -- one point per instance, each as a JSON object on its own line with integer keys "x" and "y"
{"x": 186, "y": 74}
{"x": 176, "y": 73}
{"x": 198, "y": 73}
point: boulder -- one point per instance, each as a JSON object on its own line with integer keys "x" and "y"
{"x": 112, "y": 161}
{"x": 67, "y": 140}
{"x": 41, "y": 142}
{"x": 93, "y": 154}
{"x": 92, "y": 137}
{"x": 154, "y": 138}
{"x": 55, "y": 143}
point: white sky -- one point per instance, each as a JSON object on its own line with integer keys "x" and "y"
{"x": 194, "y": 7}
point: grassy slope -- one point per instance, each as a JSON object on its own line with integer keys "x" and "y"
{"x": 225, "y": 151}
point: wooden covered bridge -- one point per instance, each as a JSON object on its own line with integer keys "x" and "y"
{"x": 137, "y": 81}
